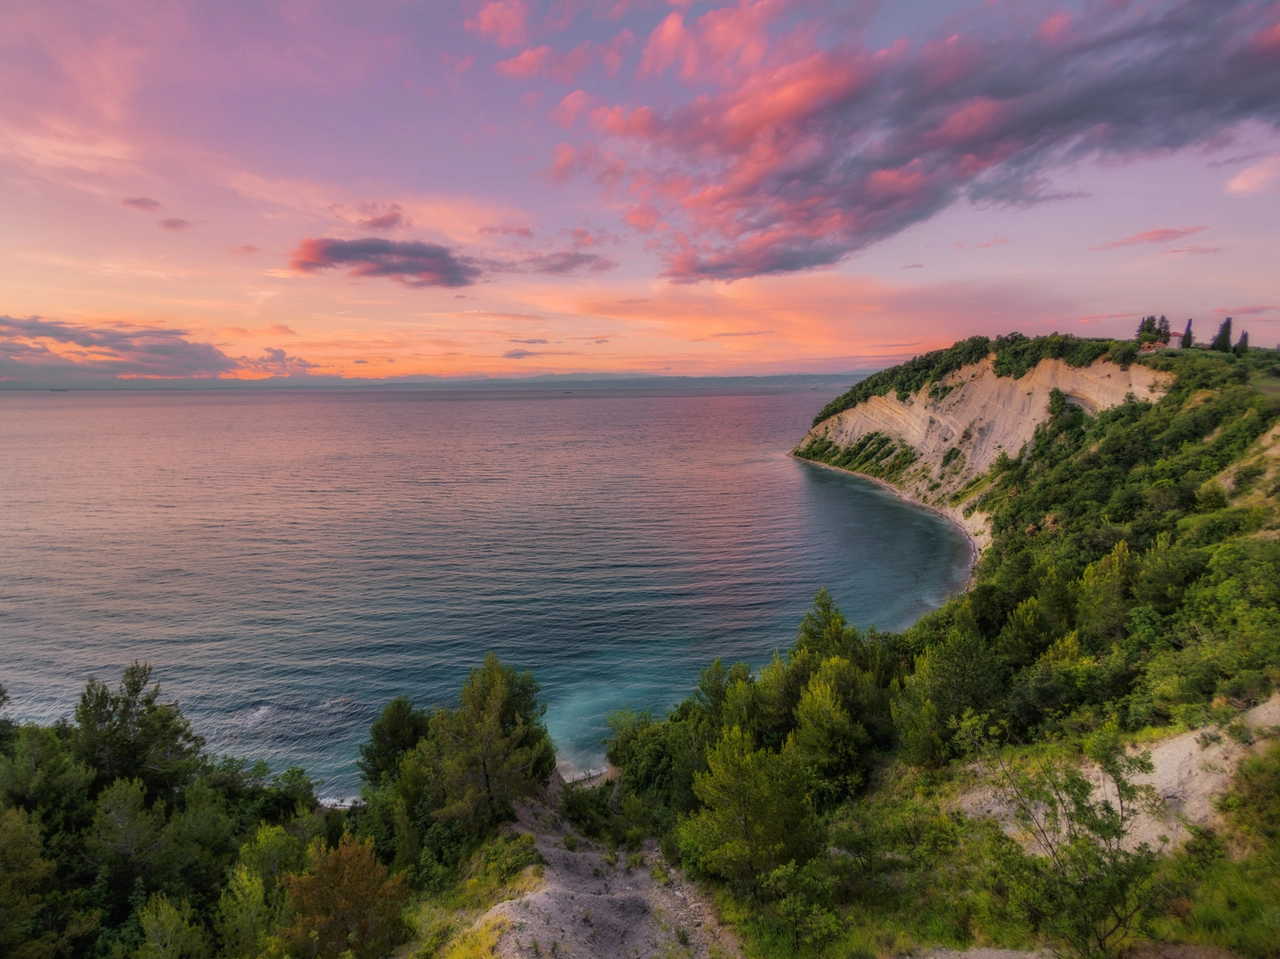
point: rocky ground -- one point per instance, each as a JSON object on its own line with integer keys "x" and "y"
{"x": 594, "y": 902}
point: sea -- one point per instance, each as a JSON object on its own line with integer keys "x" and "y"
{"x": 288, "y": 561}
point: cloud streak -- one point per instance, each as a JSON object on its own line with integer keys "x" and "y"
{"x": 799, "y": 155}
{"x": 1151, "y": 236}
{"x": 419, "y": 264}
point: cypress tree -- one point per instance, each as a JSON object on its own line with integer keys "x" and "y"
{"x": 1187, "y": 338}
{"x": 1243, "y": 346}
{"x": 1222, "y": 342}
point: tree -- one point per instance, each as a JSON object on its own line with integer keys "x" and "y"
{"x": 130, "y": 734}
{"x": 22, "y": 874}
{"x": 1163, "y": 333}
{"x": 344, "y": 901}
{"x": 1083, "y": 887}
{"x": 392, "y": 735}
{"x": 829, "y": 744}
{"x": 1187, "y": 339}
{"x": 492, "y": 749}
{"x": 171, "y": 932}
{"x": 1242, "y": 347}
{"x": 1222, "y": 341}
{"x": 8, "y": 729}
{"x": 755, "y": 815}
{"x": 245, "y": 917}
{"x": 1146, "y": 330}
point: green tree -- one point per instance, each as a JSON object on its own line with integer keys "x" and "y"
{"x": 1242, "y": 346}
{"x": 830, "y": 745}
{"x": 344, "y": 901}
{"x": 755, "y": 814}
{"x": 8, "y": 728}
{"x": 246, "y": 918}
{"x": 130, "y": 734}
{"x": 1187, "y": 338}
{"x": 1222, "y": 341}
{"x": 392, "y": 734}
{"x": 492, "y": 749}
{"x": 23, "y": 873}
{"x": 1104, "y": 597}
{"x": 1084, "y": 887}
{"x": 171, "y": 932}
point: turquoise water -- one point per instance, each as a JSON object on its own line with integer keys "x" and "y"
{"x": 288, "y": 562}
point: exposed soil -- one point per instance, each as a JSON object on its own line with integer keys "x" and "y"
{"x": 589, "y": 906}
{"x": 1191, "y": 770}
{"x": 980, "y": 415}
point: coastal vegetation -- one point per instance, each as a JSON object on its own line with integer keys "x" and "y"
{"x": 1131, "y": 589}
{"x": 973, "y": 779}
{"x": 120, "y": 836}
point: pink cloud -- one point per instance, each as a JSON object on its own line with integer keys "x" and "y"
{"x": 1151, "y": 236}
{"x": 570, "y": 108}
{"x": 1246, "y": 310}
{"x": 732, "y": 38}
{"x": 503, "y": 21}
{"x": 546, "y": 62}
{"x": 795, "y": 152}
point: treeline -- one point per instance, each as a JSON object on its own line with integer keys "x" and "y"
{"x": 122, "y": 837}
{"x": 1125, "y": 588}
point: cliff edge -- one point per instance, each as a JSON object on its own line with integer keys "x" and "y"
{"x": 936, "y": 445}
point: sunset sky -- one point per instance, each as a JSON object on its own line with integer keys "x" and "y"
{"x": 388, "y": 188}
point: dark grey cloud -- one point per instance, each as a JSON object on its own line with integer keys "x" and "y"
{"x": 39, "y": 351}
{"x": 34, "y": 348}
{"x": 567, "y": 263}
{"x": 533, "y": 342}
{"x": 819, "y": 156}
{"x": 144, "y": 203}
{"x": 415, "y": 263}
{"x": 410, "y": 262}
{"x": 519, "y": 354}
{"x": 173, "y": 223}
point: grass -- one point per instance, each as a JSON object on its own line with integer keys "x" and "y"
{"x": 1266, "y": 384}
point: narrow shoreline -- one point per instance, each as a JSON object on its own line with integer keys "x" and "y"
{"x": 975, "y": 550}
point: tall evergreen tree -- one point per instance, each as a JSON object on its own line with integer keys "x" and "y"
{"x": 1187, "y": 339}
{"x": 1163, "y": 333}
{"x": 1242, "y": 347}
{"x": 1222, "y": 342}
{"x": 392, "y": 735}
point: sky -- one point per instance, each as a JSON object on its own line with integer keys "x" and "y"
{"x": 313, "y": 189}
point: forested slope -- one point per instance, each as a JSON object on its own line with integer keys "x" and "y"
{"x": 1131, "y": 585}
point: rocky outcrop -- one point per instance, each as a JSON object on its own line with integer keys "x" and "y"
{"x": 959, "y": 426}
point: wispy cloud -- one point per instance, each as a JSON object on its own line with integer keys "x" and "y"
{"x": 1166, "y": 235}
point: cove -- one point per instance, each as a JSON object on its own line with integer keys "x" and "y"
{"x": 289, "y": 561}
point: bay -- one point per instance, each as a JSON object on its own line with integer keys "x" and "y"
{"x": 290, "y": 560}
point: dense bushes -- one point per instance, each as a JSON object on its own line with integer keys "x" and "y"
{"x": 121, "y": 837}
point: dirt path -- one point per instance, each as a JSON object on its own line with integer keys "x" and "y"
{"x": 596, "y": 904}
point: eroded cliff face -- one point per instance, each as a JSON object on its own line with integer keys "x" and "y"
{"x": 960, "y": 425}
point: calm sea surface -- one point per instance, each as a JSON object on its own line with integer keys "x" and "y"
{"x": 288, "y": 562}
